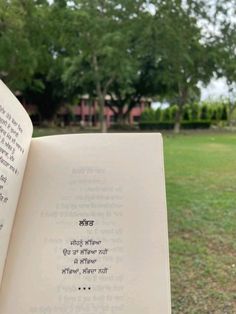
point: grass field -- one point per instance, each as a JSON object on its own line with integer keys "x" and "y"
{"x": 201, "y": 197}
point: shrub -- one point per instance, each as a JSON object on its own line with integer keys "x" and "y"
{"x": 156, "y": 125}
{"x": 166, "y": 114}
{"x": 187, "y": 113}
{"x": 148, "y": 115}
{"x": 167, "y": 125}
{"x": 158, "y": 114}
{"x": 204, "y": 113}
{"x": 195, "y": 110}
{"x": 122, "y": 127}
{"x": 198, "y": 124}
{"x": 173, "y": 110}
{"x": 224, "y": 115}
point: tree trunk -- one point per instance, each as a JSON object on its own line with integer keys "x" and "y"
{"x": 231, "y": 110}
{"x": 102, "y": 120}
{"x": 101, "y": 93}
{"x": 183, "y": 96}
{"x": 90, "y": 103}
{"x": 177, "y": 127}
{"x": 120, "y": 116}
{"x": 178, "y": 117}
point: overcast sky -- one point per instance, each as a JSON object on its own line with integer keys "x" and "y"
{"x": 217, "y": 89}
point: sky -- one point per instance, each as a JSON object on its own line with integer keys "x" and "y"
{"x": 216, "y": 90}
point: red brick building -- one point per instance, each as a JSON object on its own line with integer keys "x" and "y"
{"x": 86, "y": 113}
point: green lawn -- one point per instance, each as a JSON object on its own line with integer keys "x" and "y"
{"x": 201, "y": 197}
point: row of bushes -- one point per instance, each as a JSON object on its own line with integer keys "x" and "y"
{"x": 207, "y": 112}
{"x": 167, "y": 125}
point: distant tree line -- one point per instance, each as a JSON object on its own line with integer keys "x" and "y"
{"x": 52, "y": 52}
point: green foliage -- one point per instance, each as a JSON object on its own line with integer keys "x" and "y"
{"x": 173, "y": 109}
{"x": 53, "y": 51}
{"x": 219, "y": 113}
{"x": 204, "y": 115}
{"x": 178, "y": 58}
{"x": 103, "y": 59}
{"x": 166, "y": 114}
{"x": 194, "y": 116}
{"x": 198, "y": 124}
{"x": 187, "y": 125}
{"x": 149, "y": 116}
{"x": 187, "y": 113}
{"x": 195, "y": 109}
{"x": 224, "y": 115}
{"x": 158, "y": 114}
{"x": 214, "y": 111}
{"x": 47, "y": 90}
{"x": 122, "y": 128}
{"x": 151, "y": 126}
{"x": 17, "y": 56}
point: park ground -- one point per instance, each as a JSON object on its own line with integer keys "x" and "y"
{"x": 201, "y": 189}
{"x": 201, "y": 197}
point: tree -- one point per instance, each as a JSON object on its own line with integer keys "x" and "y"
{"x": 181, "y": 57}
{"x": 30, "y": 60}
{"x": 17, "y": 58}
{"x": 230, "y": 103}
{"x": 46, "y": 27}
{"x": 101, "y": 62}
{"x": 225, "y": 43}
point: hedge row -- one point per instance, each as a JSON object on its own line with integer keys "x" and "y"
{"x": 186, "y": 125}
{"x": 215, "y": 112}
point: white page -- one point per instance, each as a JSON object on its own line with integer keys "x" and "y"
{"x": 15, "y": 137}
{"x": 117, "y": 265}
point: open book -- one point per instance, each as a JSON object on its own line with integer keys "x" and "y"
{"x": 83, "y": 223}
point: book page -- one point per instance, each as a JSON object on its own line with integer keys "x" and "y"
{"x": 15, "y": 137}
{"x": 90, "y": 235}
